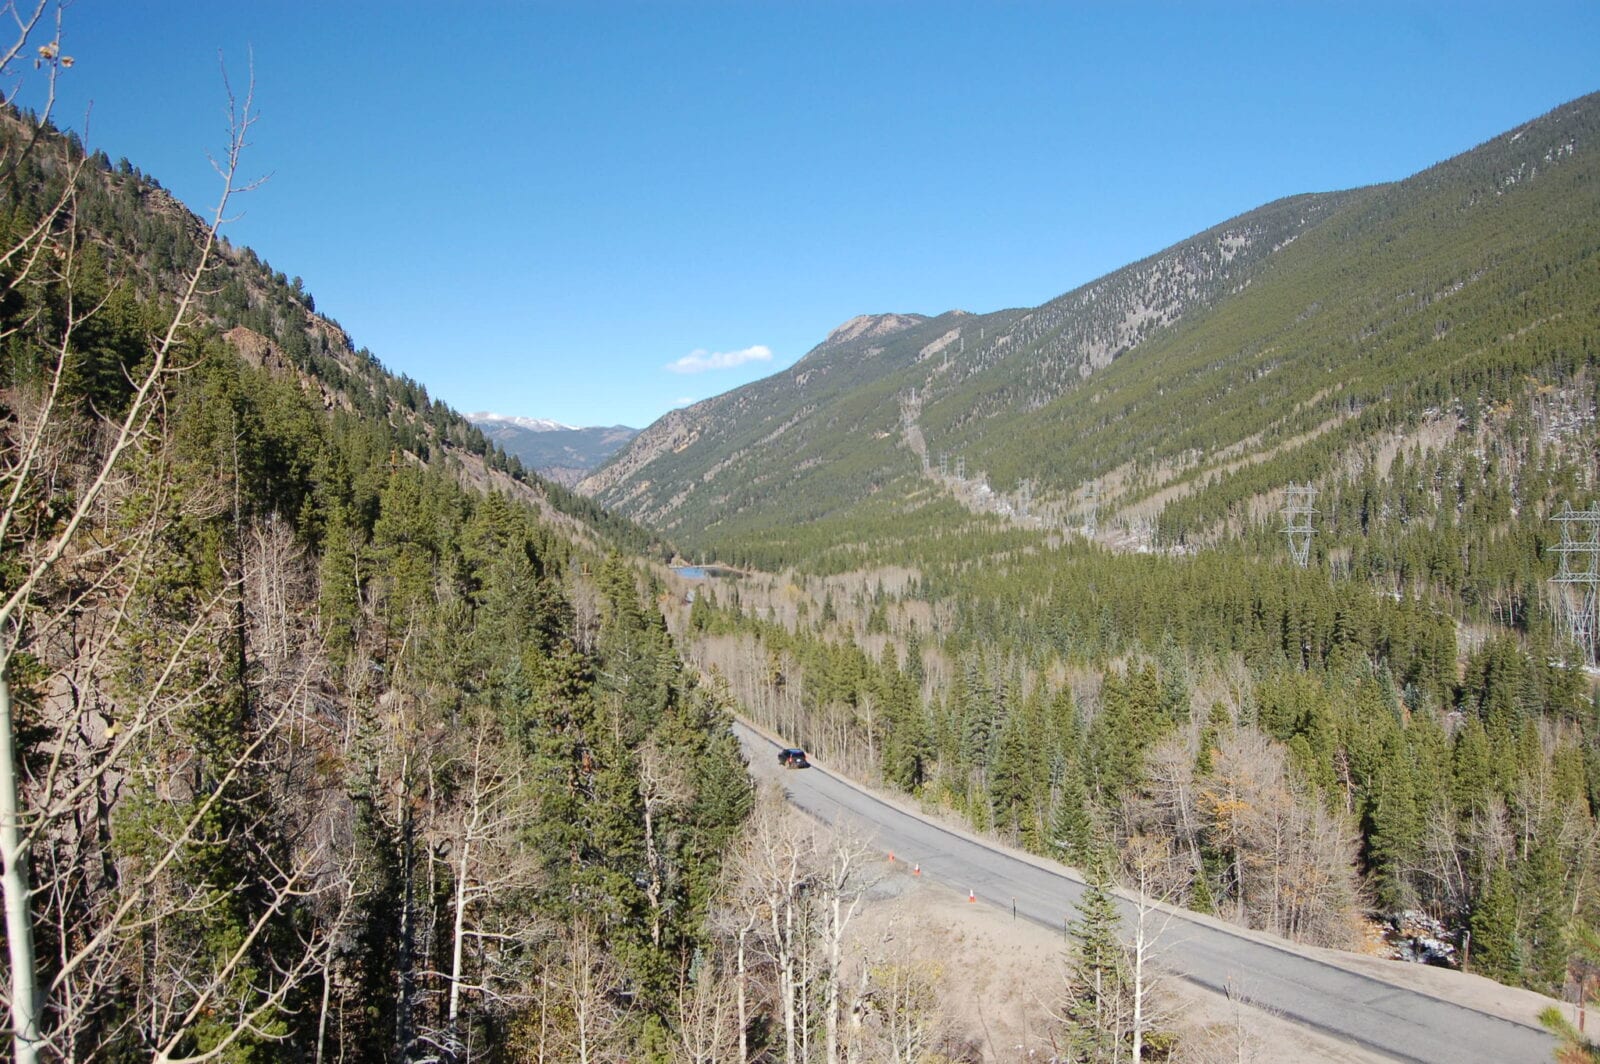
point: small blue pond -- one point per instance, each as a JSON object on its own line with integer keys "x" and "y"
{"x": 703, "y": 572}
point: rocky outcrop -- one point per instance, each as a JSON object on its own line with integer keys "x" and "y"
{"x": 871, "y": 326}
{"x": 673, "y": 432}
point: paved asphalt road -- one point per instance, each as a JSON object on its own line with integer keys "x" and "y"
{"x": 1401, "y": 1023}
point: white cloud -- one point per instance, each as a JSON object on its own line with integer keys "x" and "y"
{"x": 685, "y": 401}
{"x": 700, "y": 360}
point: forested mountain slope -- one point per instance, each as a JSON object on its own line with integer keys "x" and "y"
{"x": 818, "y": 438}
{"x": 139, "y": 244}
{"x": 1269, "y": 349}
{"x": 818, "y": 430}
{"x": 327, "y": 733}
{"x": 1403, "y": 732}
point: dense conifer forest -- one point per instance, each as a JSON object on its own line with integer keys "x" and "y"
{"x": 1402, "y": 725}
{"x": 339, "y": 737}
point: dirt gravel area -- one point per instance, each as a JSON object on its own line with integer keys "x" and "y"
{"x": 1000, "y": 979}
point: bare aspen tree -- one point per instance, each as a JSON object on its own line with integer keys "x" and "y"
{"x": 1245, "y": 1045}
{"x": 109, "y": 695}
{"x": 911, "y": 1011}
{"x": 1170, "y": 786}
{"x": 584, "y": 982}
{"x": 1447, "y": 878}
{"x": 807, "y": 947}
{"x": 661, "y": 788}
{"x": 34, "y": 452}
{"x": 866, "y": 705}
{"x": 778, "y": 873}
{"x": 1145, "y": 861}
{"x": 1292, "y": 861}
{"x": 898, "y": 1015}
{"x": 738, "y": 918}
{"x": 710, "y": 1027}
{"x": 30, "y": 452}
{"x": 278, "y": 578}
{"x": 844, "y": 882}
{"x": 479, "y": 841}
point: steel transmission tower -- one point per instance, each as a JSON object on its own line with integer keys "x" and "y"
{"x": 1297, "y": 511}
{"x": 1579, "y": 575}
{"x": 1024, "y": 497}
{"x": 1091, "y": 508}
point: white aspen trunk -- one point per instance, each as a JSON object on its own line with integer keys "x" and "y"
{"x": 17, "y": 888}
{"x": 831, "y": 1018}
{"x": 783, "y": 933}
{"x": 744, "y": 1023}
{"x": 788, "y": 984}
{"x": 1190, "y": 833}
{"x": 1138, "y": 992}
{"x": 544, "y": 1015}
{"x": 872, "y": 752}
{"x": 322, "y": 1016}
{"x": 653, "y": 861}
{"x": 803, "y": 993}
{"x": 853, "y": 1050}
{"x": 460, "y": 925}
{"x": 1277, "y": 892}
{"x": 1238, "y": 879}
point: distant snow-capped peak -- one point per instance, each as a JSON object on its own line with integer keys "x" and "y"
{"x": 532, "y": 424}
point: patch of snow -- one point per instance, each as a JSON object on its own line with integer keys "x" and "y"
{"x": 532, "y": 424}
{"x": 1418, "y": 938}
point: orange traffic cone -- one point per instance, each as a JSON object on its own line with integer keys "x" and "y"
{"x": 891, "y": 857}
{"x": 971, "y": 896}
{"x": 916, "y": 870}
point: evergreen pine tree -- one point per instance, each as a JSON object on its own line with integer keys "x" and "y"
{"x": 1394, "y": 821}
{"x": 1496, "y": 952}
{"x": 1098, "y": 979}
{"x": 1471, "y": 778}
{"x": 1543, "y": 898}
{"x": 1072, "y": 834}
{"x": 1009, "y": 789}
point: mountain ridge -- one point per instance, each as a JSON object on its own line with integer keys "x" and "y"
{"x": 562, "y": 453}
{"x": 1059, "y": 394}
{"x": 532, "y": 424}
{"x": 140, "y": 232}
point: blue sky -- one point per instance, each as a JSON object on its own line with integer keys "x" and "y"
{"x": 540, "y": 208}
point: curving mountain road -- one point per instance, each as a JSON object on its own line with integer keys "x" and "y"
{"x": 1389, "y": 1019}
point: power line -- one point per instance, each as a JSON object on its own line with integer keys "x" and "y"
{"x": 1578, "y": 577}
{"x": 1297, "y": 512}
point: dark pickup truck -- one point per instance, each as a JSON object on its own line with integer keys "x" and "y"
{"x": 793, "y": 758}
